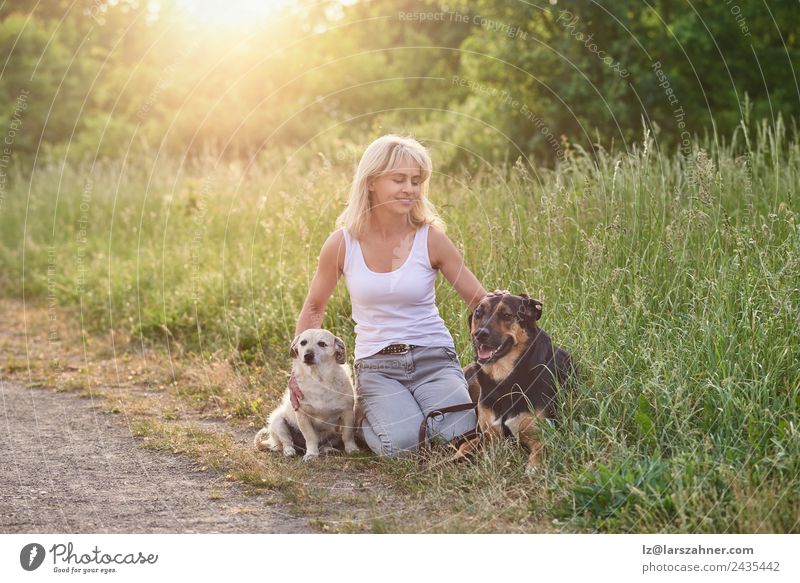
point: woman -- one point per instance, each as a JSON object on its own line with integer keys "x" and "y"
{"x": 389, "y": 248}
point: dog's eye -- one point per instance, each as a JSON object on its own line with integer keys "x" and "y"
{"x": 506, "y": 316}
{"x": 478, "y": 313}
{"x": 303, "y": 342}
{"x": 321, "y": 344}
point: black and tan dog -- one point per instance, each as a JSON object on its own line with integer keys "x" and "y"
{"x": 517, "y": 373}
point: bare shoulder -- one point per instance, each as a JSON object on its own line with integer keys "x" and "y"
{"x": 438, "y": 245}
{"x": 334, "y": 248}
{"x": 435, "y": 233}
{"x": 335, "y": 238}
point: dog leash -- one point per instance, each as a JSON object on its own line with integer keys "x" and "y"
{"x": 456, "y": 441}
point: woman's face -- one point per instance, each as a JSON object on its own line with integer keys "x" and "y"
{"x": 397, "y": 191}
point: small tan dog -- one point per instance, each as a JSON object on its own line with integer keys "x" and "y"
{"x": 326, "y": 410}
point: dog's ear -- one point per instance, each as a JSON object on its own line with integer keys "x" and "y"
{"x": 531, "y": 308}
{"x": 537, "y": 309}
{"x": 294, "y": 346}
{"x": 340, "y": 353}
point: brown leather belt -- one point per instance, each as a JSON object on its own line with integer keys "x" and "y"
{"x": 397, "y": 348}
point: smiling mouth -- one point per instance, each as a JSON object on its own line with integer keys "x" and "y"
{"x": 487, "y": 353}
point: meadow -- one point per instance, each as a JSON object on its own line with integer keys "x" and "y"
{"x": 673, "y": 279}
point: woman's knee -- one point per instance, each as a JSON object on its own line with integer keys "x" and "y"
{"x": 451, "y": 425}
{"x": 392, "y": 440}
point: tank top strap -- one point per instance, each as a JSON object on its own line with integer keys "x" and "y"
{"x": 421, "y": 245}
{"x": 349, "y": 244}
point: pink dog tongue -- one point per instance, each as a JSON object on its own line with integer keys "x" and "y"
{"x": 484, "y": 351}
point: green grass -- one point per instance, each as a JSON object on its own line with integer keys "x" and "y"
{"x": 675, "y": 282}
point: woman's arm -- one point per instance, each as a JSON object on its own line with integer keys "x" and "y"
{"x": 447, "y": 259}
{"x": 329, "y": 269}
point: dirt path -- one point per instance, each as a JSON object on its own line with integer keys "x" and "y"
{"x": 102, "y": 433}
{"x": 67, "y": 467}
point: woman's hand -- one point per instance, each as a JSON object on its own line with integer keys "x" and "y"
{"x": 295, "y": 394}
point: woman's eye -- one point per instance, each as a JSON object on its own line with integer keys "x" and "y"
{"x": 398, "y": 181}
{"x": 321, "y": 344}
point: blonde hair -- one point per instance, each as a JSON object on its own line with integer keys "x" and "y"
{"x": 380, "y": 158}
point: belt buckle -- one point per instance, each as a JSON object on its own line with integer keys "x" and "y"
{"x": 404, "y": 350}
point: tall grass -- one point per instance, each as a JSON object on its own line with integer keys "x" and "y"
{"x": 674, "y": 280}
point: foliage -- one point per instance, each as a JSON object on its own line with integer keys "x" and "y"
{"x": 673, "y": 281}
{"x": 489, "y": 78}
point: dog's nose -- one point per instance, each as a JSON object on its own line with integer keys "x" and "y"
{"x": 481, "y": 334}
{"x": 308, "y": 357}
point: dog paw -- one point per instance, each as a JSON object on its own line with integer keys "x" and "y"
{"x": 310, "y": 457}
{"x": 351, "y": 448}
{"x": 328, "y": 450}
{"x": 289, "y": 451}
{"x": 458, "y": 457}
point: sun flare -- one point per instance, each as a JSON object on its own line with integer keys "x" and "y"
{"x": 229, "y": 13}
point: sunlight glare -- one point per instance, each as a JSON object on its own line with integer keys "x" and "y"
{"x": 231, "y": 12}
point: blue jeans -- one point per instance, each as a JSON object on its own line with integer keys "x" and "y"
{"x": 398, "y": 390}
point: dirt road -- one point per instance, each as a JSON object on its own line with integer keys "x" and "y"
{"x": 67, "y": 467}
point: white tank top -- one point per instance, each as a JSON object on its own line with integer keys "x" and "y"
{"x": 396, "y": 307}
